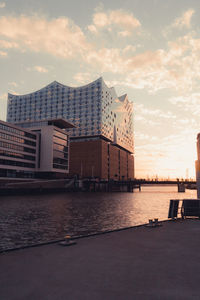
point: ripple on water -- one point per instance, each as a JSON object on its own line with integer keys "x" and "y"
{"x": 31, "y": 219}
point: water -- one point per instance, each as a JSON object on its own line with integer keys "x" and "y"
{"x": 31, "y": 219}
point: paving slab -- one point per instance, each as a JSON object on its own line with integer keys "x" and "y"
{"x": 137, "y": 263}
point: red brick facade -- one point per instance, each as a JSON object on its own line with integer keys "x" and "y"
{"x": 99, "y": 158}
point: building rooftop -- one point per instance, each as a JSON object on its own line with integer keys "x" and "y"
{"x": 60, "y": 123}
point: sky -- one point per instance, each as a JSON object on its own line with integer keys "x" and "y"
{"x": 149, "y": 49}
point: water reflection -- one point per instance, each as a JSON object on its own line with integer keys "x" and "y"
{"x": 31, "y": 219}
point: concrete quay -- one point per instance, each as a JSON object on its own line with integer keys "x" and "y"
{"x": 137, "y": 263}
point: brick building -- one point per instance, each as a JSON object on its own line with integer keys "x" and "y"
{"x": 99, "y": 158}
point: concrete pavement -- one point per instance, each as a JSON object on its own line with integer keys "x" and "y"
{"x": 138, "y": 263}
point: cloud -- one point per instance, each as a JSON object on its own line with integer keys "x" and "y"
{"x": 158, "y": 113}
{"x": 3, "y": 96}
{"x": 83, "y": 77}
{"x": 170, "y": 154}
{"x": 184, "y": 20}
{"x": 188, "y": 103}
{"x": 153, "y": 70}
{"x": 146, "y": 137}
{"x": 120, "y": 19}
{"x": 13, "y": 83}
{"x": 175, "y": 66}
{"x": 2, "y": 4}
{"x": 59, "y": 37}
{"x": 92, "y": 29}
{"x": 40, "y": 69}
{"x": 3, "y": 53}
{"x": 124, "y": 33}
{"x": 107, "y": 59}
{"x": 8, "y": 45}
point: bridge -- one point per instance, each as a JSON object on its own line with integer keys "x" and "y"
{"x": 144, "y": 181}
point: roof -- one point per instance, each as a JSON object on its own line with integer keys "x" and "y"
{"x": 56, "y": 83}
{"x": 60, "y": 123}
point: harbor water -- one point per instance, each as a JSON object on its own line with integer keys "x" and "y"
{"x": 31, "y": 219}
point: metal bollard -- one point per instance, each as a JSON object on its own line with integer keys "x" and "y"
{"x": 150, "y": 222}
{"x": 67, "y": 239}
{"x": 156, "y": 221}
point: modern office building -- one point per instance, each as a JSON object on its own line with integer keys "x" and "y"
{"x": 41, "y": 151}
{"x": 101, "y": 143}
{"x": 54, "y": 145}
{"x": 19, "y": 151}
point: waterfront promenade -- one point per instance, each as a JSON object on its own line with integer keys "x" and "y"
{"x": 137, "y": 263}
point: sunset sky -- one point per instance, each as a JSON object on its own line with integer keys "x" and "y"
{"x": 149, "y": 49}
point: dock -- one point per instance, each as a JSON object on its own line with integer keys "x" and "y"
{"x": 135, "y": 263}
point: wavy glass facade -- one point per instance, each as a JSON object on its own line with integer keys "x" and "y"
{"x": 94, "y": 109}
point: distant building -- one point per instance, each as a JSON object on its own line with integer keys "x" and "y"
{"x": 42, "y": 151}
{"x": 101, "y": 144}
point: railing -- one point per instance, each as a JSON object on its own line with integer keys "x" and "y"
{"x": 184, "y": 208}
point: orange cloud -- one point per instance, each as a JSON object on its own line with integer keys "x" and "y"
{"x": 184, "y": 20}
{"x": 120, "y": 19}
{"x": 59, "y": 36}
{"x": 40, "y": 69}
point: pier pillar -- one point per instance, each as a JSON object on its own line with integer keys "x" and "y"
{"x": 197, "y": 166}
{"x": 181, "y": 187}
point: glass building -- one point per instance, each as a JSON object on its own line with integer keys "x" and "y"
{"x": 18, "y": 151}
{"x": 99, "y": 116}
{"x": 41, "y": 151}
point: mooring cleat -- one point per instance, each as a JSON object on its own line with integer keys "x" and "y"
{"x": 67, "y": 241}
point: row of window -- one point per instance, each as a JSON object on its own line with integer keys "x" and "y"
{"x": 60, "y": 135}
{"x": 60, "y": 148}
{"x": 87, "y": 116}
{"x": 55, "y": 166}
{"x": 63, "y": 155}
{"x": 16, "y": 131}
{"x": 54, "y": 98}
{"x": 55, "y": 111}
{"x": 59, "y": 108}
{"x": 16, "y": 163}
{"x": 16, "y": 173}
{"x": 17, "y": 139}
{"x": 60, "y": 142}
{"x": 17, "y": 147}
{"x": 64, "y": 90}
{"x": 60, "y": 161}
{"x": 16, "y": 155}
{"x": 33, "y": 124}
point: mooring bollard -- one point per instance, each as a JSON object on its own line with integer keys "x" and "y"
{"x": 153, "y": 223}
{"x": 156, "y": 221}
{"x": 150, "y": 222}
{"x": 67, "y": 241}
